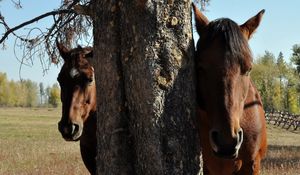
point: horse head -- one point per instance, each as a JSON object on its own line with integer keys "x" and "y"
{"x": 78, "y": 90}
{"x": 224, "y": 61}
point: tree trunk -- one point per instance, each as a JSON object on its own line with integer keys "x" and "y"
{"x": 144, "y": 54}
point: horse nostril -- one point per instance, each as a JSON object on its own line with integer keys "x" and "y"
{"x": 240, "y": 137}
{"x": 75, "y": 128}
{"x": 214, "y": 137}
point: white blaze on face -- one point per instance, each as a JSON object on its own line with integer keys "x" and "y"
{"x": 74, "y": 72}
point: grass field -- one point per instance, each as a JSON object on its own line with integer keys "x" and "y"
{"x": 283, "y": 156}
{"x": 31, "y": 145}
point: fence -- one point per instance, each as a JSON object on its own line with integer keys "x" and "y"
{"x": 283, "y": 119}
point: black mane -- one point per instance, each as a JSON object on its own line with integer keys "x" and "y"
{"x": 235, "y": 45}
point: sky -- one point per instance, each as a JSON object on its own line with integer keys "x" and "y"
{"x": 278, "y": 32}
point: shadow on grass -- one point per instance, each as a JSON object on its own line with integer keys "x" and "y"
{"x": 282, "y": 157}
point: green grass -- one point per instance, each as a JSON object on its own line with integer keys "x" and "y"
{"x": 31, "y": 144}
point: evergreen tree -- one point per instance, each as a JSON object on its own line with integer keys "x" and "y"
{"x": 282, "y": 73}
{"x": 296, "y": 57}
{"x": 263, "y": 75}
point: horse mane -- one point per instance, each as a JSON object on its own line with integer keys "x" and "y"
{"x": 235, "y": 45}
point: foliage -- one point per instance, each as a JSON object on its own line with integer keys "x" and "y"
{"x": 54, "y": 95}
{"x": 24, "y": 93}
{"x": 31, "y": 91}
{"x": 20, "y": 93}
{"x": 296, "y": 57}
{"x": 277, "y": 82}
{"x": 3, "y": 88}
{"x": 42, "y": 92}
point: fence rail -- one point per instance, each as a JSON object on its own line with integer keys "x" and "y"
{"x": 283, "y": 119}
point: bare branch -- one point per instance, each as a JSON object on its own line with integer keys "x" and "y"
{"x": 17, "y": 4}
{"x": 68, "y": 25}
{"x": 11, "y": 30}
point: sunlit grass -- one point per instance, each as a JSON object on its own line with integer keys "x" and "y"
{"x": 283, "y": 156}
{"x": 31, "y": 144}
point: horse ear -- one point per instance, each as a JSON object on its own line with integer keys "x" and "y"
{"x": 63, "y": 51}
{"x": 90, "y": 54}
{"x": 88, "y": 51}
{"x": 200, "y": 19}
{"x": 249, "y": 27}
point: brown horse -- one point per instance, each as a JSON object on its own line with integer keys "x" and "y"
{"x": 232, "y": 124}
{"x": 78, "y": 96}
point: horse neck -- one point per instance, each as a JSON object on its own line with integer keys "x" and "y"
{"x": 90, "y": 125}
{"x": 91, "y": 121}
{"x": 253, "y": 97}
{"x": 92, "y": 118}
{"x": 93, "y": 99}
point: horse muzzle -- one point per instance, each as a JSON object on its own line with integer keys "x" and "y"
{"x": 70, "y": 131}
{"x": 225, "y": 149}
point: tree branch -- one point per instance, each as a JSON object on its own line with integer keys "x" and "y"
{"x": 68, "y": 25}
{"x": 11, "y": 30}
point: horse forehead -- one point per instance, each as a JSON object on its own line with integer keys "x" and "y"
{"x": 223, "y": 47}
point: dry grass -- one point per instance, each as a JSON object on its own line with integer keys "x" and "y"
{"x": 31, "y": 144}
{"x": 283, "y": 156}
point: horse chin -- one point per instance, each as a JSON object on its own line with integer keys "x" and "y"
{"x": 227, "y": 154}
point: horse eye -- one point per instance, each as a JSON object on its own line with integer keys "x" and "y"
{"x": 89, "y": 81}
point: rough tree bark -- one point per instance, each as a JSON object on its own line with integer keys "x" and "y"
{"x": 144, "y": 53}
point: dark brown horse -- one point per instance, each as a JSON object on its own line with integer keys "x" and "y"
{"x": 232, "y": 123}
{"x": 78, "y": 96}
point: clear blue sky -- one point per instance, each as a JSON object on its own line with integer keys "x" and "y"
{"x": 279, "y": 29}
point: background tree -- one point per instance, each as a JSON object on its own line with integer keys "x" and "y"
{"x": 17, "y": 93}
{"x": 42, "y": 92}
{"x": 54, "y": 96}
{"x": 25, "y": 93}
{"x": 278, "y": 82}
{"x": 31, "y": 89}
{"x": 296, "y": 57}
{"x": 279, "y": 88}
{"x": 263, "y": 76}
{"x": 3, "y": 89}
{"x": 47, "y": 93}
